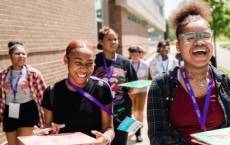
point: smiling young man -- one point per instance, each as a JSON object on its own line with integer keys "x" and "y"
{"x": 138, "y": 99}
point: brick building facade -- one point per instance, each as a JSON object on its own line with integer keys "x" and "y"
{"x": 46, "y": 28}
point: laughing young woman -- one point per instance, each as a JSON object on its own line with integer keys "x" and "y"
{"x": 70, "y": 106}
{"x": 193, "y": 98}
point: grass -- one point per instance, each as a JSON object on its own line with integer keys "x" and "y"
{"x": 222, "y": 38}
{"x": 225, "y": 46}
{"x": 226, "y": 71}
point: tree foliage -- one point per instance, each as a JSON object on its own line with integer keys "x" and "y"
{"x": 220, "y": 17}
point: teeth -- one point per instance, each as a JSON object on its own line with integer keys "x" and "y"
{"x": 81, "y": 76}
{"x": 199, "y": 51}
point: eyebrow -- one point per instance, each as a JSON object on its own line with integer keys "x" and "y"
{"x": 82, "y": 59}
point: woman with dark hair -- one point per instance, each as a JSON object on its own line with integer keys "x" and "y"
{"x": 161, "y": 62}
{"x": 70, "y": 104}
{"x": 193, "y": 98}
{"x": 21, "y": 90}
{"x": 115, "y": 69}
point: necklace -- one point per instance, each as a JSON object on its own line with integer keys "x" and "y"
{"x": 195, "y": 80}
{"x": 203, "y": 88}
{"x": 206, "y": 69}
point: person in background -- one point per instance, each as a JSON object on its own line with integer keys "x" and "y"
{"x": 138, "y": 99}
{"x": 194, "y": 98}
{"x": 143, "y": 52}
{"x": 161, "y": 61}
{"x": 21, "y": 88}
{"x": 71, "y": 107}
{"x": 115, "y": 69}
{"x": 180, "y": 59}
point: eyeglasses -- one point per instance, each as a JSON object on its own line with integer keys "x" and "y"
{"x": 19, "y": 53}
{"x": 164, "y": 47}
{"x": 191, "y": 37}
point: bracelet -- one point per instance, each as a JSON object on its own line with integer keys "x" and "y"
{"x": 108, "y": 137}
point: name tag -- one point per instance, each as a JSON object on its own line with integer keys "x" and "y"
{"x": 14, "y": 109}
{"x": 130, "y": 125}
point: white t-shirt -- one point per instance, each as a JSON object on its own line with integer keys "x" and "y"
{"x": 142, "y": 72}
{"x": 156, "y": 63}
{"x": 23, "y": 91}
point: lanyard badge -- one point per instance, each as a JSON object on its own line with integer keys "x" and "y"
{"x": 138, "y": 66}
{"x": 201, "y": 118}
{"x": 128, "y": 125}
{"x": 109, "y": 74}
{"x": 14, "y": 108}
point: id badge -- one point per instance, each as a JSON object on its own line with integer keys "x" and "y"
{"x": 130, "y": 125}
{"x": 14, "y": 109}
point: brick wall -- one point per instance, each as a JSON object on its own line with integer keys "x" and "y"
{"x": 130, "y": 33}
{"x": 45, "y": 28}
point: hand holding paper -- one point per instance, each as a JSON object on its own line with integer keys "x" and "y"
{"x": 52, "y": 129}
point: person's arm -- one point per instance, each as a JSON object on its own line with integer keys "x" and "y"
{"x": 107, "y": 134}
{"x": 132, "y": 90}
{"x": 157, "y": 115}
{"x": 149, "y": 76}
{"x": 143, "y": 52}
{"x": 48, "y": 112}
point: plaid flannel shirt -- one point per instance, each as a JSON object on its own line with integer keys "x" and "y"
{"x": 162, "y": 93}
{"x": 37, "y": 87}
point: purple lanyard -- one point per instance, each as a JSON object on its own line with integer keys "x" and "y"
{"x": 167, "y": 65}
{"x": 138, "y": 65}
{"x": 14, "y": 90}
{"x": 201, "y": 119}
{"x": 92, "y": 98}
{"x": 109, "y": 74}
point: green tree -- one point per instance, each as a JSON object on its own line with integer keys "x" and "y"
{"x": 170, "y": 32}
{"x": 220, "y": 17}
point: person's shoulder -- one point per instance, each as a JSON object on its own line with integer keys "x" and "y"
{"x": 173, "y": 59}
{"x": 144, "y": 62}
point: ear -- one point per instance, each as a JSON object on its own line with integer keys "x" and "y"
{"x": 178, "y": 47}
{"x": 9, "y": 56}
{"x": 100, "y": 41}
{"x": 65, "y": 60}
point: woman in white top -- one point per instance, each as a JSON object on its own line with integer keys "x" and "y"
{"x": 161, "y": 62}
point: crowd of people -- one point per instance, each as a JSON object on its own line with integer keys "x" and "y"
{"x": 187, "y": 94}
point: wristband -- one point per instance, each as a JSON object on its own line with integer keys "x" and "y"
{"x": 108, "y": 137}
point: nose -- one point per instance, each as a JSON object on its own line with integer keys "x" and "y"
{"x": 84, "y": 68}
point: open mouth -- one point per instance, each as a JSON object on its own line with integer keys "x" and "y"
{"x": 199, "y": 53}
{"x": 81, "y": 76}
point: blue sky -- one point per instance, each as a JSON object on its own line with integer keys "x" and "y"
{"x": 170, "y": 5}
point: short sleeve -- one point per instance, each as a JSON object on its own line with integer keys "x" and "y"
{"x": 46, "y": 100}
{"x": 107, "y": 98}
{"x": 131, "y": 72}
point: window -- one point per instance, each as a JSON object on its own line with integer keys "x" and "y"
{"x": 99, "y": 17}
{"x": 159, "y": 6}
{"x": 154, "y": 36}
{"x": 135, "y": 19}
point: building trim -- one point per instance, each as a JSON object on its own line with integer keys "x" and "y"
{"x": 145, "y": 10}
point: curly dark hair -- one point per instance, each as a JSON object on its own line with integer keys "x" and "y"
{"x": 187, "y": 8}
{"x": 12, "y": 43}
